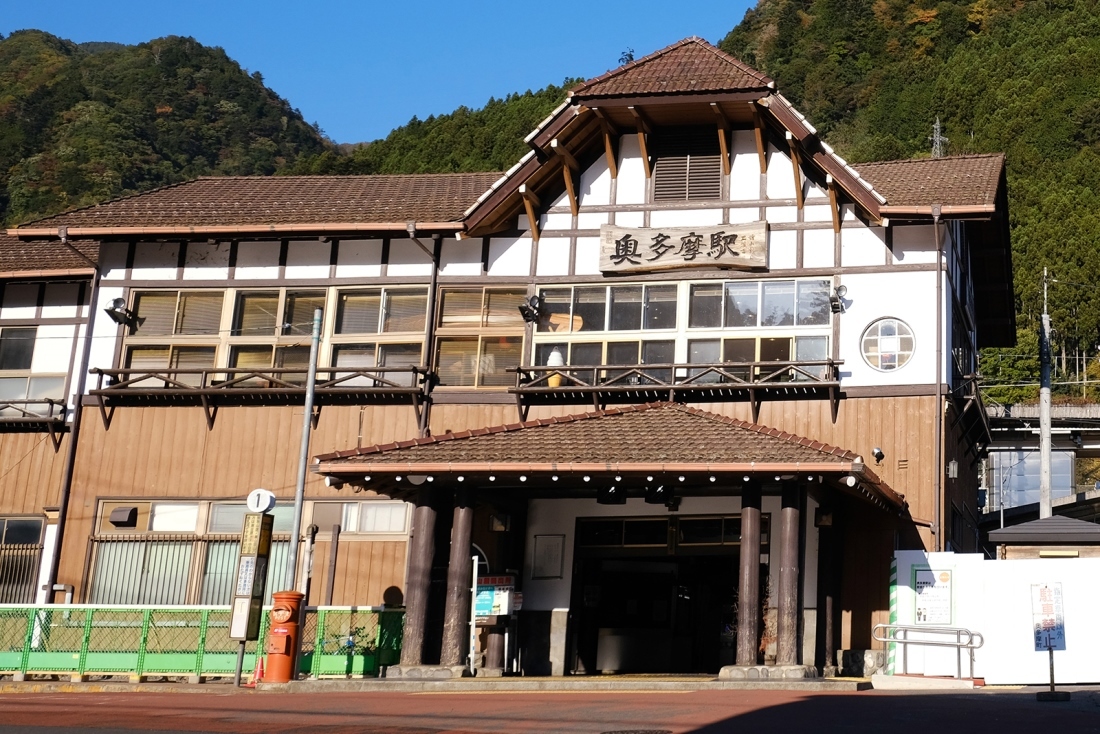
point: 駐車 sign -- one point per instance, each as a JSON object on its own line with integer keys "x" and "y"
{"x": 1046, "y": 613}
{"x": 634, "y": 250}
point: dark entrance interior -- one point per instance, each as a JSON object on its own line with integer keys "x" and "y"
{"x": 655, "y": 595}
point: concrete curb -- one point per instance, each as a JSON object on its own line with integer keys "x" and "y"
{"x": 467, "y": 685}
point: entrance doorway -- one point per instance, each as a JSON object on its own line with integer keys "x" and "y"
{"x": 655, "y": 595}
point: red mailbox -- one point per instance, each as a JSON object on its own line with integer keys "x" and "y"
{"x": 282, "y": 636}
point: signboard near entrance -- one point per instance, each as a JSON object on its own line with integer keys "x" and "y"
{"x": 1049, "y": 624}
{"x": 933, "y": 596}
{"x": 635, "y": 250}
{"x": 494, "y": 595}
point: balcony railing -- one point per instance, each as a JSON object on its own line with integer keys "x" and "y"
{"x": 213, "y": 387}
{"x": 752, "y": 382}
{"x": 25, "y": 416}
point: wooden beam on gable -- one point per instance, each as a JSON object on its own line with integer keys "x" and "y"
{"x": 569, "y": 170}
{"x": 834, "y": 202}
{"x": 758, "y": 129}
{"x": 796, "y": 162}
{"x": 610, "y": 141}
{"x": 723, "y": 136}
{"x": 644, "y": 129}
{"x": 530, "y": 205}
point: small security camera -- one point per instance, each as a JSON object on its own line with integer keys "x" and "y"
{"x": 878, "y": 454}
{"x": 334, "y": 482}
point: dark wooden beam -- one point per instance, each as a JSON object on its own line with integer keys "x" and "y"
{"x": 456, "y": 615}
{"x": 569, "y": 169}
{"x": 530, "y": 204}
{"x": 786, "y": 651}
{"x": 644, "y": 129}
{"x": 610, "y": 142}
{"x": 421, "y": 552}
{"x": 723, "y": 136}
{"x": 834, "y": 203}
{"x": 748, "y": 589}
{"x": 796, "y": 161}
{"x": 758, "y": 129}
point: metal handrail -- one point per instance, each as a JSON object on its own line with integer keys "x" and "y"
{"x": 891, "y": 633}
{"x": 54, "y": 410}
{"x": 728, "y": 374}
{"x": 223, "y": 379}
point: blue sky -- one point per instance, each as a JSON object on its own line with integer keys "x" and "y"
{"x": 359, "y": 69}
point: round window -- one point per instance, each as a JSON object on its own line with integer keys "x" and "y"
{"x": 887, "y": 344}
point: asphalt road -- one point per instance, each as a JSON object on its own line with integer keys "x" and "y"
{"x": 635, "y": 712}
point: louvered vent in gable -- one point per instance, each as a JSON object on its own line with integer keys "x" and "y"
{"x": 688, "y": 164}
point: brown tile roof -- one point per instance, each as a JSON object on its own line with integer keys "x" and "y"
{"x": 961, "y": 180}
{"x": 241, "y": 201}
{"x": 653, "y": 433}
{"x": 33, "y": 257}
{"x": 688, "y": 66}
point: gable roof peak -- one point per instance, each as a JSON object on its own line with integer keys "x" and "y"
{"x": 691, "y": 65}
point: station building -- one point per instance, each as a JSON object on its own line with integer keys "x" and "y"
{"x": 683, "y": 372}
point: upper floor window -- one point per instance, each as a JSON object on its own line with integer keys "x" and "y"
{"x": 275, "y": 313}
{"x": 381, "y": 310}
{"x": 17, "y": 380}
{"x": 480, "y": 336}
{"x": 688, "y": 164}
{"x": 168, "y": 313}
{"x": 887, "y": 344}
{"x": 608, "y": 308}
{"x": 754, "y": 304}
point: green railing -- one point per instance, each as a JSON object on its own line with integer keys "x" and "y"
{"x": 139, "y": 641}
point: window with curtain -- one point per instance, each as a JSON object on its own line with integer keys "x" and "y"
{"x": 480, "y": 336}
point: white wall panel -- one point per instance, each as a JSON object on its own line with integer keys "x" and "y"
{"x": 359, "y": 259}
{"x": 257, "y": 260}
{"x": 60, "y": 300}
{"x": 595, "y": 186}
{"x": 112, "y": 260}
{"x": 631, "y": 186}
{"x": 782, "y": 250}
{"x": 53, "y": 346}
{"x": 862, "y": 246}
{"x": 105, "y": 335}
{"x": 817, "y": 248}
{"x": 510, "y": 256}
{"x": 817, "y": 213}
{"x": 629, "y": 219}
{"x": 813, "y": 191}
{"x": 780, "y": 174}
{"x": 588, "y": 256}
{"x": 915, "y": 244}
{"x": 460, "y": 257}
{"x": 20, "y": 301}
{"x": 591, "y": 220}
{"x": 308, "y": 259}
{"x": 559, "y": 220}
{"x": 745, "y": 168}
{"x": 909, "y": 296}
{"x": 740, "y": 216}
{"x": 553, "y": 256}
{"x": 406, "y": 258}
{"x": 776, "y": 214}
{"x": 685, "y": 218}
{"x": 155, "y": 261}
{"x": 206, "y": 261}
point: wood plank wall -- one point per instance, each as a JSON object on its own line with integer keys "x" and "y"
{"x": 30, "y": 472}
{"x": 365, "y": 572}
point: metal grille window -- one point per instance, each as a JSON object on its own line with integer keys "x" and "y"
{"x": 20, "y": 558}
{"x": 688, "y": 164}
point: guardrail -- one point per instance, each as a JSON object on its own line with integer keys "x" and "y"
{"x": 144, "y": 641}
{"x": 899, "y": 634}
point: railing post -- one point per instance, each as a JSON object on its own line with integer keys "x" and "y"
{"x": 146, "y": 618}
{"x": 82, "y": 662}
{"x": 318, "y": 644}
{"x": 32, "y": 620}
{"x": 204, "y": 622}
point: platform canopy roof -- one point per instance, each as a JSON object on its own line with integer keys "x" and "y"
{"x": 647, "y": 439}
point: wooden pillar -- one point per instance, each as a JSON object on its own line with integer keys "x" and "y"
{"x": 456, "y": 615}
{"x": 421, "y": 551}
{"x": 825, "y": 647}
{"x": 787, "y": 592}
{"x": 748, "y": 591}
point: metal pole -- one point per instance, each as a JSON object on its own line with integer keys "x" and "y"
{"x": 240, "y": 664}
{"x": 937, "y": 476}
{"x": 303, "y": 455}
{"x": 1050, "y": 651}
{"x": 473, "y": 614}
{"x": 1044, "y": 408}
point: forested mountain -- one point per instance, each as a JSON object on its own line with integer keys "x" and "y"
{"x": 1022, "y": 77}
{"x": 84, "y": 123}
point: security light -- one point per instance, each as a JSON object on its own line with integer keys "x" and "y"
{"x": 878, "y": 454}
{"x": 836, "y": 299}
{"x": 611, "y": 495}
{"x": 334, "y": 482}
{"x": 119, "y": 313}
{"x": 530, "y": 309}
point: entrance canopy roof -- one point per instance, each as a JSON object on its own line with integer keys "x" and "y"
{"x": 694, "y": 446}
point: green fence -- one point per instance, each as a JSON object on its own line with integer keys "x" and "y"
{"x": 81, "y": 640}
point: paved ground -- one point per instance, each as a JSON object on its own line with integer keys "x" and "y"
{"x": 707, "y": 712}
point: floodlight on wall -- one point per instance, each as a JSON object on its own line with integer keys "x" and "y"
{"x": 531, "y": 309}
{"x": 659, "y": 495}
{"x": 836, "y": 299}
{"x": 334, "y": 482}
{"x": 119, "y": 313}
{"x": 611, "y": 495}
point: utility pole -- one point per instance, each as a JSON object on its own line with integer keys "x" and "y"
{"x": 1044, "y": 408}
